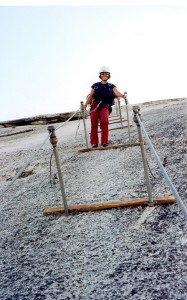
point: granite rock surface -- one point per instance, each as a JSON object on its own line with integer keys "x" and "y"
{"x": 98, "y": 255}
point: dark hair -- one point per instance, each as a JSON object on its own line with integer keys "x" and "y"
{"x": 102, "y": 72}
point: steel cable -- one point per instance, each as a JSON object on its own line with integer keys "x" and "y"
{"x": 32, "y": 157}
{"x": 68, "y": 119}
{"x": 79, "y": 119}
{"x": 163, "y": 171}
{"x": 23, "y": 168}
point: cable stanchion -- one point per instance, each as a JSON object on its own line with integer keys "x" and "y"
{"x": 128, "y": 123}
{"x": 163, "y": 171}
{"x": 84, "y": 123}
{"x": 53, "y": 141}
{"x": 119, "y": 109}
{"x": 136, "y": 110}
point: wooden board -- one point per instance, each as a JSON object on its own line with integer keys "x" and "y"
{"x": 121, "y": 127}
{"x": 117, "y": 121}
{"x": 110, "y": 147}
{"x": 109, "y": 205}
{"x": 113, "y": 116}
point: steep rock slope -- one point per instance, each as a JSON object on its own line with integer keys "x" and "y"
{"x": 97, "y": 255}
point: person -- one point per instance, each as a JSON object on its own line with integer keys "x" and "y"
{"x": 100, "y": 99}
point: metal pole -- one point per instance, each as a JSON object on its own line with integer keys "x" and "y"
{"x": 136, "y": 110}
{"x": 164, "y": 173}
{"x": 117, "y": 110}
{"x": 53, "y": 140}
{"x": 126, "y": 102}
{"x": 84, "y": 123}
{"x": 119, "y": 106}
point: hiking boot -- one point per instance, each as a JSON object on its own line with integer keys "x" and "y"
{"x": 105, "y": 145}
{"x": 94, "y": 146}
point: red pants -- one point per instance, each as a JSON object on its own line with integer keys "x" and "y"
{"x": 102, "y": 114}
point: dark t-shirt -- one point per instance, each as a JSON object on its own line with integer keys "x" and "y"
{"x": 103, "y": 92}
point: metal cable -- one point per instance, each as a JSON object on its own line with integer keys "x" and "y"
{"x": 79, "y": 119}
{"x": 163, "y": 171}
{"x": 91, "y": 111}
{"x": 23, "y": 168}
{"x": 32, "y": 157}
{"x": 150, "y": 169}
{"x": 68, "y": 119}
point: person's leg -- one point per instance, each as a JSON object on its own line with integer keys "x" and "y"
{"x": 94, "y": 117}
{"x": 104, "y": 114}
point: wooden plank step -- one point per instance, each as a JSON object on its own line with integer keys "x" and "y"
{"x": 113, "y": 116}
{"x": 119, "y": 121}
{"x": 115, "y": 119}
{"x": 110, "y": 147}
{"x": 108, "y": 205}
{"x": 121, "y": 127}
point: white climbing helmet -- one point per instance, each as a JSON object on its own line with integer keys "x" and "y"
{"x": 104, "y": 69}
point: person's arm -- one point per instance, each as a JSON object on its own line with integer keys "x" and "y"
{"x": 89, "y": 98}
{"x": 117, "y": 93}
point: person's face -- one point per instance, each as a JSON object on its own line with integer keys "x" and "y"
{"x": 104, "y": 76}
